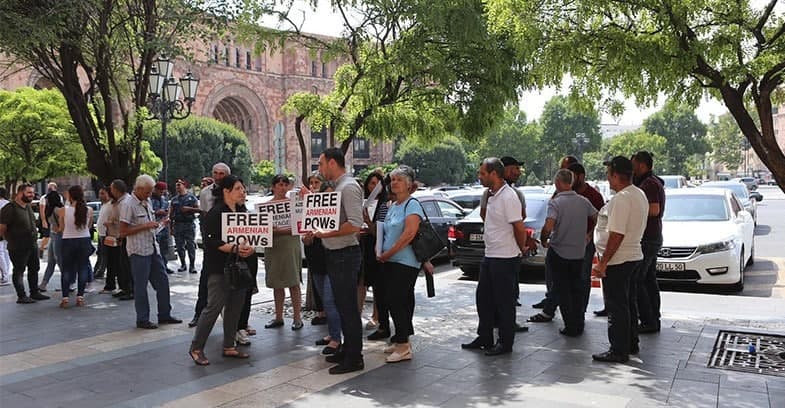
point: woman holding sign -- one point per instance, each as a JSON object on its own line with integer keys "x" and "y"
{"x": 219, "y": 295}
{"x": 283, "y": 261}
{"x": 399, "y": 265}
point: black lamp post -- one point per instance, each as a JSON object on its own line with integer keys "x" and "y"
{"x": 168, "y": 99}
{"x": 580, "y": 140}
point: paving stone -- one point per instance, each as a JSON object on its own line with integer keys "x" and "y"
{"x": 733, "y": 398}
{"x": 693, "y": 393}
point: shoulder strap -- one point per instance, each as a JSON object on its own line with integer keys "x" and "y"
{"x": 421, "y": 207}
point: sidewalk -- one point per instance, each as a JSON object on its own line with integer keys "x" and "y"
{"x": 92, "y": 357}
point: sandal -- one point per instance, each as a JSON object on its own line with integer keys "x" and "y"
{"x": 64, "y": 303}
{"x": 80, "y": 301}
{"x": 234, "y": 353}
{"x": 540, "y": 318}
{"x": 198, "y": 357}
{"x": 250, "y": 331}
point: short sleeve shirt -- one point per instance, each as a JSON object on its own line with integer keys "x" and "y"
{"x": 503, "y": 210}
{"x": 351, "y": 212}
{"x": 394, "y": 224}
{"x": 160, "y": 203}
{"x": 135, "y": 212}
{"x": 655, "y": 193}
{"x": 20, "y": 231}
{"x": 484, "y": 198}
{"x": 180, "y": 201}
{"x": 624, "y": 214}
{"x": 571, "y": 213}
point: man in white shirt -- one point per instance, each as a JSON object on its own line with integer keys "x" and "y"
{"x": 103, "y": 216}
{"x": 620, "y": 225}
{"x": 5, "y": 261}
{"x": 505, "y": 240}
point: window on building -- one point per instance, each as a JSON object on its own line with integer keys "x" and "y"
{"x": 226, "y": 56}
{"x": 358, "y": 168}
{"x": 216, "y": 54}
{"x": 237, "y": 57}
{"x": 324, "y": 70}
{"x": 313, "y": 68}
{"x": 361, "y": 149}
{"x": 248, "y": 60}
{"x": 318, "y": 142}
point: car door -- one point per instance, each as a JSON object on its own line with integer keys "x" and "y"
{"x": 746, "y": 226}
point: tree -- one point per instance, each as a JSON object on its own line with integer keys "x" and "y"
{"x": 732, "y": 51}
{"x": 514, "y": 136}
{"x": 561, "y": 121}
{"x": 262, "y": 173}
{"x": 445, "y": 162}
{"x": 89, "y": 48}
{"x": 725, "y": 140}
{"x": 684, "y": 133}
{"x": 628, "y": 143}
{"x": 197, "y": 143}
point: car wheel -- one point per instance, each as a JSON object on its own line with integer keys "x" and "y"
{"x": 739, "y": 286}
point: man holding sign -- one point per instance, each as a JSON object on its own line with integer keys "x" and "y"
{"x": 343, "y": 253}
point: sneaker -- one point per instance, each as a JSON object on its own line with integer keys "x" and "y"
{"x": 39, "y": 296}
{"x": 181, "y": 269}
{"x": 242, "y": 338}
{"x": 25, "y": 300}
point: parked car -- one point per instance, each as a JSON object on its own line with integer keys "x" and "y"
{"x": 750, "y": 182}
{"x": 741, "y": 192}
{"x": 466, "y": 238}
{"x": 469, "y": 199}
{"x": 674, "y": 181}
{"x": 707, "y": 238}
{"x": 757, "y": 196}
{"x": 532, "y": 189}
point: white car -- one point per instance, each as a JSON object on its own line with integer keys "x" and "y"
{"x": 707, "y": 238}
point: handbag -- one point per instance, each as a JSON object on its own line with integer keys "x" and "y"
{"x": 237, "y": 273}
{"x": 426, "y": 243}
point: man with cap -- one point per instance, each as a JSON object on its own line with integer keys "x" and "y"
{"x": 620, "y": 225}
{"x": 183, "y": 212}
{"x": 161, "y": 211}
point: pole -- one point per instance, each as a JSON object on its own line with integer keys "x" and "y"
{"x": 164, "y": 119}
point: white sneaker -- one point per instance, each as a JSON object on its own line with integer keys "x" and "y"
{"x": 242, "y": 338}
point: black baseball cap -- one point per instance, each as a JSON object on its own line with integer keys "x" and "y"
{"x": 620, "y": 164}
{"x": 510, "y": 161}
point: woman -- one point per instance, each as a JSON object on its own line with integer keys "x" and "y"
{"x": 317, "y": 271}
{"x": 220, "y": 296}
{"x": 399, "y": 265}
{"x": 76, "y": 246}
{"x": 283, "y": 262}
{"x": 52, "y": 201}
{"x": 313, "y": 301}
{"x": 370, "y": 267}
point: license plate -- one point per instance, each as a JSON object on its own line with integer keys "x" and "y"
{"x": 670, "y": 267}
{"x": 475, "y": 237}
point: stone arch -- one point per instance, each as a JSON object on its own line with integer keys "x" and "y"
{"x": 241, "y": 107}
{"x": 37, "y": 81}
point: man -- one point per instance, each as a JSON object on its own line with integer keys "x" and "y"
{"x": 569, "y": 219}
{"x": 183, "y": 212}
{"x": 567, "y": 161}
{"x": 580, "y": 186}
{"x": 138, "y": 227}
{"x": 620, "y": 226}
{"x": 119, "y": 265}
{"x": 161, "y": 211}
{"x": 505, "y": 240}
{"x": 5, "y": 262}
{"x": 647, "y": 290}
{"x": 343, "y": 259}
{"x": 17, "y": 227}
{"x": 103, "y": 215}
{"x": 211, "y": 194}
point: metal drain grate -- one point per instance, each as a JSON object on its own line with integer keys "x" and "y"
{"x": 756, "y": 353}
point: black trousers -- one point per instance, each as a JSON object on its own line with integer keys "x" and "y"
{"x": 622, "y": 311}
{"x": 25, "y": 259}
{"x": 399, "y": 283}
{"x": 648, "y": 289}
{"x": 588, "y": 257}
{"x": 119, "y": 267}
{"x": 496, "y": 299}
{"x": 568, "y": 286}
{"x": 343, "y": 266}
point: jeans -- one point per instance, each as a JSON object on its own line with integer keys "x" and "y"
{"x": 75, "y": 263}
{"x": 648, "y": 290}
{"x": 399, "y": 283}
{"x": 496, "y": 299}
{"x": 163, "y": 245}
{"x": 622, "y": 334}
{"x": 343, "y": 266}
{"x": 568, "y": 287}
{"x": 151, "y": 269}
{"x": 185, "y": 240}
{"x": 53, "y": 257}
{"x": 221, "y": 298}
{"x": 588, "y": 257}
{"x": 25, "y": 258}
{"x": 322, "y": 285}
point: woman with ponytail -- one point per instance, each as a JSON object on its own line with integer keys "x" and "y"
{"x": 74, "y": 223}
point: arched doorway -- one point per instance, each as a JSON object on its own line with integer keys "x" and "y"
{"x": 239, "y": 106}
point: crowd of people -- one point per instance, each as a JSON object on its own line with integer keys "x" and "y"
{"x": 134, "y": 229}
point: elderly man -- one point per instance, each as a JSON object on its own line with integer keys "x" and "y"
{"x": 138, "y": 226}
{"x": 569, "y": 218}
{"x": 620, "y": 225}
{"x": 505, "y": 241}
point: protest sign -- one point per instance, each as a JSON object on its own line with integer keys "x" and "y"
{"x": 321, "y": 211}
{"x": 296, "y": 220}
{"x": 280, "y": 212}
{"x": 255, "y": 229}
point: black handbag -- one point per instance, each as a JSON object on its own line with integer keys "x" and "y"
{"x": 237, "y": 273}
{"x": 426, "y": 243}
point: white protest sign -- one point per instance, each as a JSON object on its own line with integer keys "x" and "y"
{"x": 255, "y": 229}
{"x": 296, "y": 221}
{"x": 322, "y": 212}
{"x": 279, "y": 211}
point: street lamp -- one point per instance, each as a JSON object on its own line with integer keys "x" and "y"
{"x": 580, "y": 140}
{"x": 745, "y": 145}
{"x": 168, "y": 99}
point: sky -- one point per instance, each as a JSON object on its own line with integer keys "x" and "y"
{"x": 324, "y": 21}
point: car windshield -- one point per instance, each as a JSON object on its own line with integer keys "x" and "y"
{"x": 671, "y": 182}
{"x": 696, "y": 208}
{"x": 535, "y": 209}
{"x": 739, "y": 189}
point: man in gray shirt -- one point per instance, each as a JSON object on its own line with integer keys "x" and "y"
{"x": 343, "y": 260}
{"x": 570, "y": 216}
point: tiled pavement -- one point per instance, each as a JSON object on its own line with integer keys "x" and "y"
{"x": 91, "y": 357}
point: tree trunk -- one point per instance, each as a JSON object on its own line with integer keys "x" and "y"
{"x": 303, "y": 152}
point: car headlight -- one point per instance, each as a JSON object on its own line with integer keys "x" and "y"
{"x": 716, "y": 247}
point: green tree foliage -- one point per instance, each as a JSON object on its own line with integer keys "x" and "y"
{"x": 732, "y": 51}
{"x": 684, "y": 133}
{"x": 262, "y": 173}
{"x": 626, "y": 144}
{"x": 561, "y": 120}
{"x": 514, "y": 136}
{"x": 37, "y": 138}
{"x": 445, "y": 162}
{"x": 195, "y": 144}
{"x": 726, "y": 140}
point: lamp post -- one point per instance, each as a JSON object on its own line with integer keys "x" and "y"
{"x": 580, "y": 140}
{"x": 168, "y": 99}
{"x": 745, "y": 145}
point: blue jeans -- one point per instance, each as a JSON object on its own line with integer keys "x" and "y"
{"x": 75, "y": 263}
{"x": 151, "y": 269}
{"x": 53, "y": 257}
{"x": 322, "y": 285}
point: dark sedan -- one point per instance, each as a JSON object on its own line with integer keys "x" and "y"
{"x": 443, "y": 214}
{"x": 466, "y": 238}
